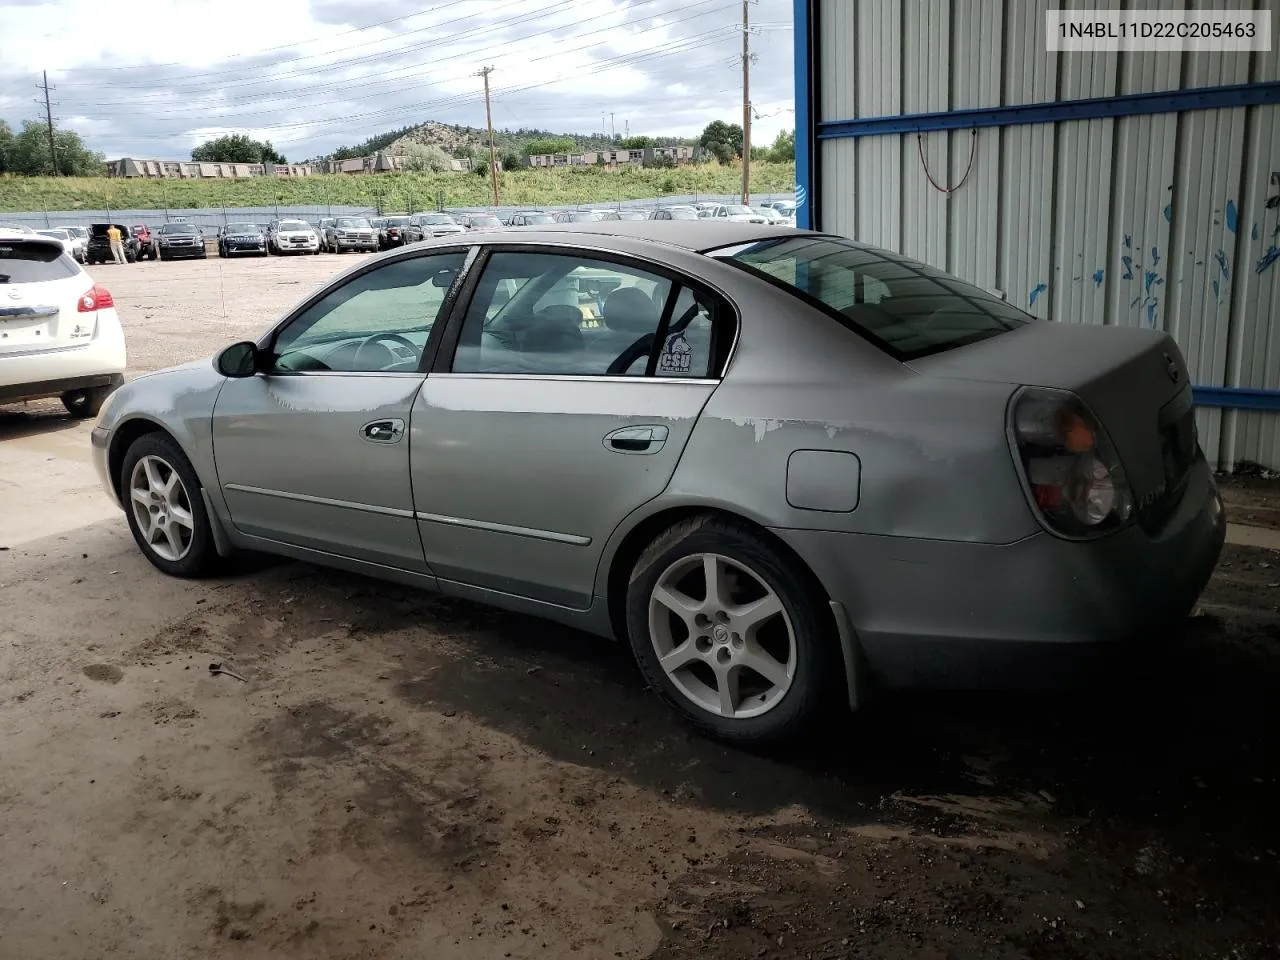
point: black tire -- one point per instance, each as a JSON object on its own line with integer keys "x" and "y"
{"x": 202, "y": 555}
{"x": 85, "y": 403}
{"x": 817, "y": 651}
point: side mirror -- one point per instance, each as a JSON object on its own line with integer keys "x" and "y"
{"x": 238, "y": 360}
{"x": 443, "y": 278}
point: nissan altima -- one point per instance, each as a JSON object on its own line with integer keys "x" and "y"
{"x": 783, "y": 466}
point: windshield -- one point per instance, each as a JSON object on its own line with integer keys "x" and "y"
{"x": 440, "y": 219}
{"x": 485, "y": 222}
{"x": 354, "y": 223}
{"x": 908, "y": 308}
{"x": 784, "y": 210}
{"x": 538, "y": 218}
{"x": 738, "y": 210}
{"x": 178, "y": 228}
{"x": 294, "y": 225}
{"x": 242, "y": 228}
{"x": 584, "y": 217}
{"x": 397, "y": 221}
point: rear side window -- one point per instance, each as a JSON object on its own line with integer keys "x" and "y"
{"x": 907, "y": 308}
{"x": 33, "y": 263}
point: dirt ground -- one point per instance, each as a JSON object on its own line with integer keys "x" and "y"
{"x": 401, "y": 776}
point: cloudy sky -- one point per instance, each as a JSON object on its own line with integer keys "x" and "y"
{"x": 155, "y": 79}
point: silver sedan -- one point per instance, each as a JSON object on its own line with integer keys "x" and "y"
{"x": 781, "y": 465}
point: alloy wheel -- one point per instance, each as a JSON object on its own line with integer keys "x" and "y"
{"x": 722, "y": 636}
{"x": 162, "y": 508}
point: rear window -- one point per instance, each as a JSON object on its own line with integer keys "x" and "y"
{"x": 907, "y": 308}
{"x": 33, "y": 262}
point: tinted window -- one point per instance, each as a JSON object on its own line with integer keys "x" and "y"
{"x": 33, "y": 262}
{"x": 397, "y": 221}
{"x": 242, "y": 228}
{"x": 177, "y": 228}
{"x": 377, "y": 321}
{"x": 908, "y": 308}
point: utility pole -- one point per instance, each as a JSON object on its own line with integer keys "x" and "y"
{"x": 746, "y": 102}
{"x": 48, "y": 115}
{"x": 612, "y": 126}
{"x": 488, "y": 116}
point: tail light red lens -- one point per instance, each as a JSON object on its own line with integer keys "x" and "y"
{"x": 96, "y": 297}
{"x": 1073, "y": 473}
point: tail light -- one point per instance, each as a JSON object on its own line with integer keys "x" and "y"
{"x": 96, "y": 297}
{"x": 1074, "y": 476}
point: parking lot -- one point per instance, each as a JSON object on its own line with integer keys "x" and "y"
{"x": 404, "y": 776}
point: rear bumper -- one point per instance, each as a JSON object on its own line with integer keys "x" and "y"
{"x": 1041, "y": 611}
{"x": 48, "y": 373}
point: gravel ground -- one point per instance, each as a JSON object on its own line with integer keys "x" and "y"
{"x": 404, "y": 776}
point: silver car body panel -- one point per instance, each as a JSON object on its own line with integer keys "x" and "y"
{"x": 938, "y": 564}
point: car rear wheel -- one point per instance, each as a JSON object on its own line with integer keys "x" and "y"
{"x": 166, "y": 513}
{"x": 729, "y": 633}
{"x": 85, "y": 403}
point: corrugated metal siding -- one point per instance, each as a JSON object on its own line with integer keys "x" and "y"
{"x": 1157, "y": 221}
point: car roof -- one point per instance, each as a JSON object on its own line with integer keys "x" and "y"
{"x": 706, "y": 236}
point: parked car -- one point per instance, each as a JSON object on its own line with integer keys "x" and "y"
{"x": 735, "y": 213}
{"x": 576, "y": 216}
{"x": 178, "y": 240}
{"x": 148, "y": 244}
{"x": 16, "y": 228}
{"x": 62, "y": 337}
{"x": 237, "y": 238}
{"x": 771, "y": 216}
{"x": 624, "y": 215}
{"x": 394, "y": 231}
{"x": 424, "y": 226}
{"x": 81, "y": 237}
{"x": 292, "y": 236}
{"x": 322, "y": 229}
{"x": 847, "y": 550}
{"x": 64, "y": 238}
{"x": 530, "y": 218}
{"x": 481, "y": 221}
{"x": 787, "y": 211}
{"x": 351, "y": 233}
{"x": 98, "y": 248}
{"x": 674, "y": 213}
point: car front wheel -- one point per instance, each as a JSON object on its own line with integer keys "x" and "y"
{"x": 729, "y": 633}
{"x": 166, "y": 513}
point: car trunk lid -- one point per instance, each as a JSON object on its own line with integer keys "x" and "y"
{"x": 37, "y": 313}
{"x": 1135, "y": 382}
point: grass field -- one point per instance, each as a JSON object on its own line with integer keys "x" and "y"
{"x": 416, "y": 191}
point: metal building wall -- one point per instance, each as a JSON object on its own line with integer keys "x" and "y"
{"x": 1169, "y": 218}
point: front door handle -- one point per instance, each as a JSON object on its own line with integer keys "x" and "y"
{"x": 643, "y": 439}
{"x": 383, "y": 431}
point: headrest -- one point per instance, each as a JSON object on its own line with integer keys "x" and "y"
{"x": 629, "y": 310}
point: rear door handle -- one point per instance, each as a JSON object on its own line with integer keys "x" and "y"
{"x": 642, "y": 439}
{"x": 383, "y": 431}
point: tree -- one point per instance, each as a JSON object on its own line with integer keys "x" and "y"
{"x": 723, "y": 140}
{"x": 550, "y": 145}
{"x": 638, "y": 143}
{"x": 237, "y": 148}
{"x": 424, "y": 158}
{"x": 27, "y": 153}
{"x": 512, "y": 161}
{"x": 784, "y": 147}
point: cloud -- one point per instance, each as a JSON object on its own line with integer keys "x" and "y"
{"x": 313, "y": 76}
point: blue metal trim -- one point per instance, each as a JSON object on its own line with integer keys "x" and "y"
{"x": 806, "y": 69}
{"x": 1236, "y": 398}
{"x": 1127, "y": 105}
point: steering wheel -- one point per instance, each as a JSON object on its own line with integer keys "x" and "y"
{"x": 378, "y": 338}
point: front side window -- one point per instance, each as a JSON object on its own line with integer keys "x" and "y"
{"x": 377, "y": 321}
{"x": 907, "y": 308}
{"x": 572, "y": 315}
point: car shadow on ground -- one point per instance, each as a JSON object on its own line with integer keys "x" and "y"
{"x": 1183, "y": 742}
{"x": 18, "y": 421}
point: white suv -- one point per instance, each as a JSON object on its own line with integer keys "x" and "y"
{"x": 59, "y": 332}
